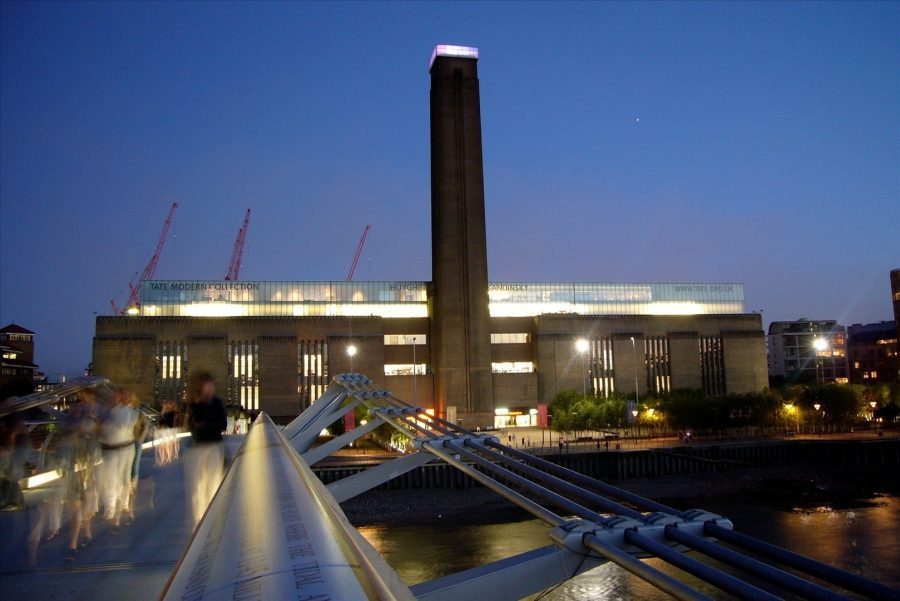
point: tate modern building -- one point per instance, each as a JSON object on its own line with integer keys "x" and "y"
{"x": 486, "y": 353}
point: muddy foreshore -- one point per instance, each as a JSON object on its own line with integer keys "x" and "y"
{"x": 782, "y": 487}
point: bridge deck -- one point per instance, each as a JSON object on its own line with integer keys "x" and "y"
{"x": 133, "y": 564}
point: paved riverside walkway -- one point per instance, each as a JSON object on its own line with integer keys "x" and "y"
{"x": 133, "y": 564}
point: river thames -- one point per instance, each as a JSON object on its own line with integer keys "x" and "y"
{"x": 860, "y": 539}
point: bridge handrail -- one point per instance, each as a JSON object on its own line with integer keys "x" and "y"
{"x": 50, "y": 397}
{"x": 272, "y": 531}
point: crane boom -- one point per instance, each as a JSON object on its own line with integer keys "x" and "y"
{"x": 134, "y": 299}
{"x": 359, "y": 248}
{"x": 237, "y": 253}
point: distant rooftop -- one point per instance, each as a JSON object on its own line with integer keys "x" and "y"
{"x": 14, "y": 328}
{"x": 454, "y": 51}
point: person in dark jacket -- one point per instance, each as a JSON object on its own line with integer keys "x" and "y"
{"x": 204, "y": 462}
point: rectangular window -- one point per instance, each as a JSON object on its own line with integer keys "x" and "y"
{"x": 712, "y": 365}
{"x": 405, "y": 369}
{"x": 659, "y": 371}
{"x": 513, "y": 367}
{"x": 312, "y": 371}
{"x": 243, "y": 371}
{"x": 602, "y": 372}
{"x": 510, "y": 338}
{"x": 405, "y": 339}
{"x": 171, "y": 370}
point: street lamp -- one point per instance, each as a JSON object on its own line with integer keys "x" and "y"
{"x": 414, "y": 370}
{"x": 582, "y": 346}
{"x": 351, "y": 352}
{"x": 637, "y": 393}
{"x": 818, "y": 406}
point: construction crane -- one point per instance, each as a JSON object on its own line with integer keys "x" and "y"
{"x": 134, "y": 299}
{"x": 237, "y": 254}
{"x": 359, "y": 248}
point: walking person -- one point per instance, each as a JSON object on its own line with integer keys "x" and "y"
{"x": 117, "y": 447}
{"x": 141, "y": 430}
{"x": 204, "y": 462}
{"x": 166, "y": 444}
{"x": 80, "y": 454}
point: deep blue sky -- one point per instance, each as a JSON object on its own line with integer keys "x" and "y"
{"x": 756, "y": 143}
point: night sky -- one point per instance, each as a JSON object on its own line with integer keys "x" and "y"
{"x": 755, "y": 143}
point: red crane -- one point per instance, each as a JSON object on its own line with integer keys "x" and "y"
{"x": 237, "y": 254}
{"x": 359, "y": 248}
{"x": 134, "y": 299}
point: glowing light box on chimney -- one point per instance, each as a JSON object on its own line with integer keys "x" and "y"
{"x": 454, "y": 51}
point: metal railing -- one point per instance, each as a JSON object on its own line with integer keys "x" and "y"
{"x": 591, "y": 521}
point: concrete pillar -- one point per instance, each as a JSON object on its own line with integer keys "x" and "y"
{"x": 127, "y": 361}
{"x": 278, "y": 376}
{"x": 684, "y": 359}
{"x": 624, "y": 358}
{"x": 745, "y": 361}
{"x": 209, "y": 353}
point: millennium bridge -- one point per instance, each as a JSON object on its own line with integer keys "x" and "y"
{"x": 275, "y": 531}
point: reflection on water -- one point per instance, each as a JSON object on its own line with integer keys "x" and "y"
{"x": 863, "y": 540}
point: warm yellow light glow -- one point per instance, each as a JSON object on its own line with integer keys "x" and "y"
{"x": 512, "y": 367}
{"x": 501, "y": 411}
{"x": 38, "y": 479}
{"x": 820, "y": 344}
{"x": 582, "y": 345}
{"x": 132, "y": 310}
{"x": 651, "y": 411}
{"x": 674, "y": 308}
{"x": 363, "y": 422}
{"x": 214, "y": 310}
{"x": 351, "y": 350}
{"x": 386, "y": 310}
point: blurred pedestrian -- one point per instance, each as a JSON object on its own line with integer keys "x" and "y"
{"x": 141, "y": 430}
{"x": 166, "y": 439}
{"x": 117, "y": 445}
{"x": 15, "y": 452}
{"x": 79, "y": 455}
{"x": 204, "y": 462}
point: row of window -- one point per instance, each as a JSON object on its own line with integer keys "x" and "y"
{"x": 510, "y": 338}
{"x": 312, "y": 367}
{"x": 405, "y": 339}
{"x": 411, "y": 339}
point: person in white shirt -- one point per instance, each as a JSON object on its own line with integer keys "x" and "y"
{"x": 117, "y": 445}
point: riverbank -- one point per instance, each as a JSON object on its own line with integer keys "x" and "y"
{"x": 785, "y": 487}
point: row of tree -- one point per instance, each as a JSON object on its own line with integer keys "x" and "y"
{"x": 839, "y": 405}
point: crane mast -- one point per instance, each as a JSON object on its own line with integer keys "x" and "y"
{"x": 359, "y": 249}
{"x": 237, "y": 253}
{"x": 134, "y": 298}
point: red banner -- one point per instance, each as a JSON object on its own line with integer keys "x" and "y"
{"x": 349, "y": 421}
{"x": 542, "y": 420}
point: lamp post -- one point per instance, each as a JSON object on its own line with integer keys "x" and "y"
{"x": 415, "y": 404}
{"x": 582, "y": 346}
{"x": 818, "y": 406}
{"x": 637, "y": 392}
{"x": 351, "y": 352}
